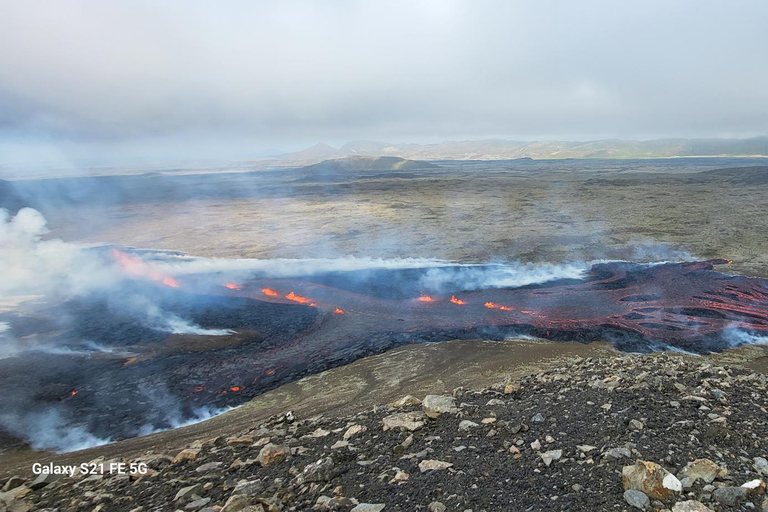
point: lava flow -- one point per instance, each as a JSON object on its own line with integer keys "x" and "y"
{"x": 278, "y": 337}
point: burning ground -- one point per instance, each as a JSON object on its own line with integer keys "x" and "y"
{"x": 171, "y": 339}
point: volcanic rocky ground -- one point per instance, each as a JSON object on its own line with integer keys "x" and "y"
{"x": 153, "y": 381}
{"x": 562, "y": 439}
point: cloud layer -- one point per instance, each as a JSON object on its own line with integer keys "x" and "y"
{"x": 243, "y": 77}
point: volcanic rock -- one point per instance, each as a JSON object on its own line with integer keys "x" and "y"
{"x": 42, "y": 480}
{"x": 699, "y": 469}
{"x": 187, "y": 454}
{"x": 369, "y": 507}
{"x": 436, "y": 506}
{"x": 319, "y": 471}
{"x": 467, "y": 425}
{"x": 637, "y": 499}
{"x": 650, "y": 478}
{"x": 435, "y": 405}
{"x": 730, "y": 496}
{"x": 404, "y": 420}
{"x": 188, "y": 491}
{"x": 433, "y": 465}
{"x": 354, "y": 430}
{"x": 550, "y": 456}
{"x": 690, "y": 506}
{"x": 13, "y": 483}
{"x": 272, "y": 454}
{"x": 405, "y": 401}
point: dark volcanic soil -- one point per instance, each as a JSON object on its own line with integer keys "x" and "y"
{"x": 591, "y": 417}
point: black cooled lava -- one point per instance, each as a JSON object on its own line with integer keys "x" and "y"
{"x": 286, "y": 328}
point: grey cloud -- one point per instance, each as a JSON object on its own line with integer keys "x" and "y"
{"x": 245, "y": 76}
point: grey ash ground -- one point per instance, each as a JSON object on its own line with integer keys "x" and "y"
{"x": 555, "y": 440}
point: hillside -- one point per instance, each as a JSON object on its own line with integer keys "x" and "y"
{"x": 499, "y": 149}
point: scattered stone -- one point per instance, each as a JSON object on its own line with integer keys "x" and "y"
{"x": 637, "y": 499}
{"x": 551, "y": 456}
{"x": 43, "y": 480}
{"x": 650, "y": 478}
{"x": 340, "y": 444}
{"x": 536, "y": 445}
{"x": 197, "y": 504}
{"x": 273, "y": 454}
{"x": 400, "y": 478}
{"x": 405, "y": 401}
{"x": 436, "y": 506}
{"x": 730, "y": 496}
{"x": 240, "y": 441}
{"x": 354, "y": 430}
{"x": 435, "y": 405}
{"x": 368, "y": 507}
{"x": 466, "y": 425}
{"x": 320, "y": 471}
{"x": 690, "y": 506}
{"x": 699, "y": 469}
{"x": 433, "y": 465}
{"x": 208, "y": 466}
{"x": 187, "y": 454}
{"x": 537, "y": 418}
{"x": 756, "y": 486}
{"x": 405, "y": 420}
{"x": 13, "y": 483}
{"x": 185, "y": 492}
{"x": 636, "y": 425}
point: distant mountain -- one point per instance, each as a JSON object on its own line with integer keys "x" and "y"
{"x": 315, "y": 153}
{"x": 362, "y": 163}
{"x": 499, "y": 149}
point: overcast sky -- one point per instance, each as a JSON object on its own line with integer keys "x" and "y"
{"x": 234, "y": 78}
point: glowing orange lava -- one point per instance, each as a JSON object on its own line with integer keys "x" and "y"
{"x": 271, "y": 372}
{"x": 234, "y": 286}
{"x": 199, "y": 389}
{"x": 298, "y": 298}
{"x": 269, "y": 292}
{"x": 493, "y": 305}
{"x": 135, "y": 266}
{"x": 73, "y": 393}
{"x": 235, "y": 388}
{"x": 457, "y": 301}
{"x": 425, "y": 298}
{"x": 338, "y": 311}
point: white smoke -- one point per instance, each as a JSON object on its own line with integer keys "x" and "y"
{"x": 47, "y": 430}
{"x": 500, "y": 276}
{"x": 737, "y": 337}
{"x": 31, "y": 265}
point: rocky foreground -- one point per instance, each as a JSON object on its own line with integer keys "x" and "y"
{"x": 629, "y": 433}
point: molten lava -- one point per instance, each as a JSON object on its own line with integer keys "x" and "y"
{"x": 425, "y": 298}
{"x": 235, "y": 388}
{"x": 298, "y": 298}
{"x": 454, "y": 300}
{"x": 234, "y": 286}
{"x": 493, "y": 305}
{"x": 135, "y": 266}
{"x": 269, "y": 292}
{"x": 338, "y": 311}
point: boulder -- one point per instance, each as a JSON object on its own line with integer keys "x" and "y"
{"x": 730, "y": 496}
{"x": 435, "y": 405}
{"x": 185, "y": 492}
{"x": 650, "y": 478}
{"x": 405, "y": 420}
{"x": 699, "y": 469}
{"x": 273, "y": 454}
{"x": 354, "y": 430}
{"x": 433, "y": 465}
{"x": 187, "y": 454}
{"x": 690, "y": 506}
{"x": 637, "y": 499}
{"x": 369, "y": 507}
